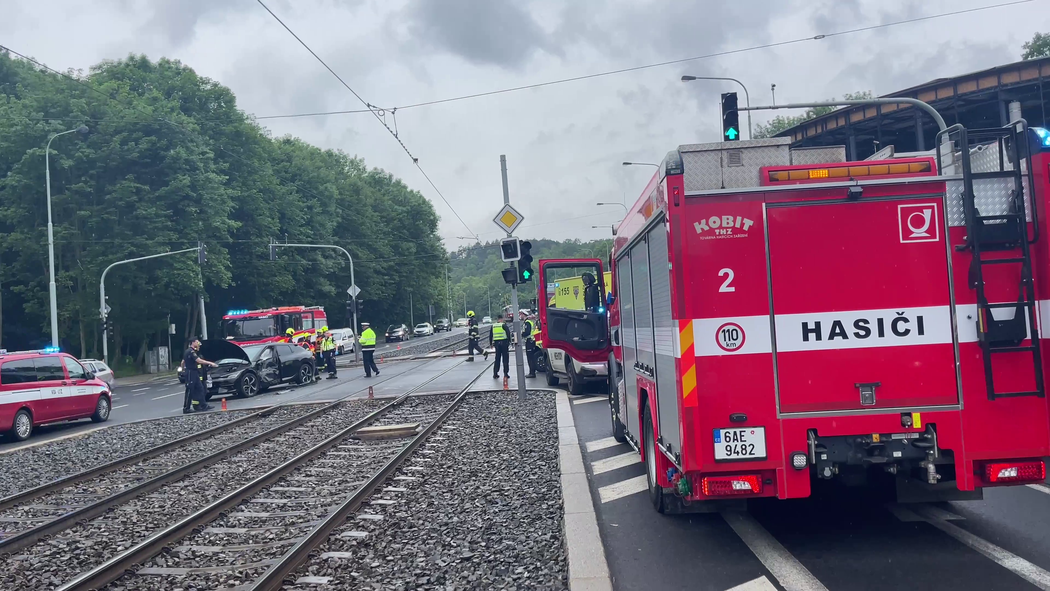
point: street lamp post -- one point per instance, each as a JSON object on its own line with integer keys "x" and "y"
{"x": 747, "y": 99}
{"x": 51, "y": 235}
{"x": 640, "y": 164}
{"x": 614, "y": 203}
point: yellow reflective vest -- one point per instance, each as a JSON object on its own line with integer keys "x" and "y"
{"x": 368, "y": 339}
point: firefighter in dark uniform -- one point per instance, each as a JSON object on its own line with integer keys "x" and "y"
{"x": 328, "y": 350}
{"x": 527, "y": 337}
{"x": 195, "y": 391}
{"x": 472, "y": 341}
{"x": 499, "y": 339}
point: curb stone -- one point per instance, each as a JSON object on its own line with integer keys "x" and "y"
{"x": 588, "y": 570}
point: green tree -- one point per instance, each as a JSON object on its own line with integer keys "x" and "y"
{"x": 1039, "y": 46}
{"x": 171, "y": 160}
{"x": 782, "y": 122}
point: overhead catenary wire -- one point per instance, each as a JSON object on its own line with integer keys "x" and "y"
{"x": 375, "y": 111}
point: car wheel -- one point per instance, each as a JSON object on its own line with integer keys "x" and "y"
{"x": 574, "y": 384}
{"x": 656, "y": 492}
{"x": 22, "y": 427}
{"x": 102, "y": 408}
{"x": 305, "y": 375}
{"x": 247, "y": 385}
{"x": 340, "y": 349}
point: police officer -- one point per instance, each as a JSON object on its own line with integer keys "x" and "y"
{"x": 367, "y": 340}
{"x": 472, "y": 340}
{"x": 192, "y": 363}
{"x": 499, "y": 339}
{"x": 528, "y": 337}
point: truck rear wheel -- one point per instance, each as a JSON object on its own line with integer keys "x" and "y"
{"x": 552, "y": 380}
{"x": 656, "y": 492}
{"x": 574, "y": 384}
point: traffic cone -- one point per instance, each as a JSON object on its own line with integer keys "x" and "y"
{"x": 223, "y": 404}
{"x": 505, "y": 385}
{"x": 399, "y": 347}
{"x": 370, "y": 395}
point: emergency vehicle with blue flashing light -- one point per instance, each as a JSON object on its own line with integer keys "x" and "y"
{"x": 270, "y": 325}
{"x": 781, "y": 315}
{"x": 47, "y": 386}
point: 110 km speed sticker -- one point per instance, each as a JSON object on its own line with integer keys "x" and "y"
{"x": 730, "y": 337}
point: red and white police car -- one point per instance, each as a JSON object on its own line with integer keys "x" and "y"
{"x": 39, "y": 387}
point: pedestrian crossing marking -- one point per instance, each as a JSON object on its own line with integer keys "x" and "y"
{"x": 624, "y": 488}
{"x": 600, "y": 444}
{"x": 591, "y": 399}
{"x": 759, "y": 584}
{"x": 609, "y": 464}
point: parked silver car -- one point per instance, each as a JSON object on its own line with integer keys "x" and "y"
{"x": 100, "y": 369}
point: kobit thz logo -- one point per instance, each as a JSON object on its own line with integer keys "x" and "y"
{"x": 723, "y": 226}
{"x": 918, "y": 223}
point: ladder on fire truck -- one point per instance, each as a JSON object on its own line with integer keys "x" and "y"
{"x": 994, "y": 165}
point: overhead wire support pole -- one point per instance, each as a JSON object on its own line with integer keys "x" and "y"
{"x": 357, "y": 348}
{"x": 941, "y": 125}
{"x": 102, "y": 292}
{"x": 519, "y": 359}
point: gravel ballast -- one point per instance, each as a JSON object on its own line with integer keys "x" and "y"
{"x": 484, "y": 512}
{"x": 54, "y": 460}
{"x": 59, "y": 558}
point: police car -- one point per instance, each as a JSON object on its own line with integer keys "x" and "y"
{"x": 40, "y": 387}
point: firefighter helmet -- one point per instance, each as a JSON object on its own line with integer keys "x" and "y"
{"x": 289, "y": 332}
{"x": 470, "y": 314}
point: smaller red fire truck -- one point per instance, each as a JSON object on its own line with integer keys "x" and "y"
{"x": 781, "y": 315}
{"x": 248, "y": 327}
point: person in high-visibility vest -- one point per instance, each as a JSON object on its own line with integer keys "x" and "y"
{"x": 288, "y": 335}
{"x": 367, "y": 339}
{"x": 499, "y": 339}
{"x": 528, "y": 336}
{"x": 328, "y": 351}
{"x": 472, "y": 337}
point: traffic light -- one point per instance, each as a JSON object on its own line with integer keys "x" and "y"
{"x": 350, "y": 309}
{"x": 730, "y": 118}
{"x": 510, "y": 249}
{"x": 202, "y": 253}
{"x": 510, "y": 275}
{"x": 525, "y": 271}
{"x": 107, "y": 325}
{"x": 273, "y": 251}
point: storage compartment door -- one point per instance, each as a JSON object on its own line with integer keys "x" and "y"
{"x": 862, "y": 305}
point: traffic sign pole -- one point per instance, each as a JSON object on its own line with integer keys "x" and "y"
{"x": 501, "y": 220}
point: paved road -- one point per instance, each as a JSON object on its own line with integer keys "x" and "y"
{"x": 162, "y": 397}
{"x": 838, "y": 539}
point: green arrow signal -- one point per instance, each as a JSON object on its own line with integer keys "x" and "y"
{"x": 526, "y": 274}
{"x": 732, "y": 133}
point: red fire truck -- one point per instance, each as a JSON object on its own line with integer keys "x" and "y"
{"x": 782, "y": 315}
{"x": 248, "y": 327}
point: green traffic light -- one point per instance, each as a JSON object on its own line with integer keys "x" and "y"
{"x": 732, "y": 133}
{"x": 526, "y": 274}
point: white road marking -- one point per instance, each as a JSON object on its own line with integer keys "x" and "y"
{"x": 622, "y": 489}
{"x": 1004, "y": 558}
{"x": 591, "y": 399}
{"x": 759, "y": 584}
{"x": 621, "y": 461}
{"x": 1040, "y": 487}
{"x": 166, "y": 396}
{"x": 599, "y": 444}
{"x": 119, "y": 406}
{"x": 784, "y": 567}
{"x": 141, "y": 389}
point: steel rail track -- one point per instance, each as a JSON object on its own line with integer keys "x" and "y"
{"x": 33, "y": 535}
{"x": 273, "y": 578}
{"x": 118, "y": 565}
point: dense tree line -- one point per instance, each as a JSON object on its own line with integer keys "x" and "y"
{"x": 169, "y": 159}
{"x": 476, "y": 279}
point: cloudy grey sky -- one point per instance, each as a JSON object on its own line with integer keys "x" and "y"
{"x": 564, "y": 143}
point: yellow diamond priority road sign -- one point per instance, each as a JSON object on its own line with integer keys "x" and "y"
{"x": 508, "y": 218}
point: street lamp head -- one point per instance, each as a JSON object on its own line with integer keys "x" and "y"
{"x": 688, "y": 78}
{"x": 628, "y": 163}
{"x": 82, "y": 129}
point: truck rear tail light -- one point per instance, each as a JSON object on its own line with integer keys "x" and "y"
{"x": 1008, "y": 472}
{"x": 719, "y": 486}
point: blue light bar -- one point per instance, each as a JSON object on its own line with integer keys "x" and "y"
{"x": 1043, "y": 134}
{"x": 236, "y": 312}
{"x": 52, "y": 349}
